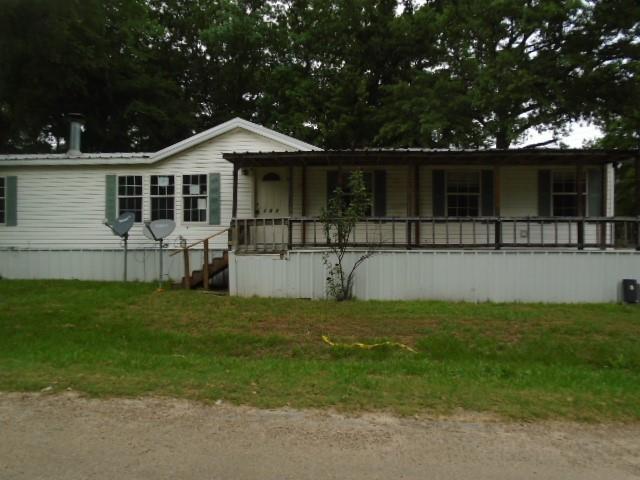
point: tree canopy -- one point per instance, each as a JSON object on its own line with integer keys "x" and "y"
{"x": 337, "y": 73}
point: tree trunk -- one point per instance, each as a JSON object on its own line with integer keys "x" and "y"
{"x": 502, "y": 141}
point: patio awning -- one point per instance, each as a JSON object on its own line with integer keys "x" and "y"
{"x": 523, "y": 156}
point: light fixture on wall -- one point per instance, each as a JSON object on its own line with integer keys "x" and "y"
{"x": 245, "y": 171}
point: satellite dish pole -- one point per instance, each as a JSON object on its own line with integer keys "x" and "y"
{"x": 157, "y": 231}
{"x": 120, "y": 227}
{"x": 126, "y": 250}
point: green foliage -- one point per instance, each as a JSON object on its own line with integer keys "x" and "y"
{"x": 345, "y": 208}
{"x": 340, "y": 74}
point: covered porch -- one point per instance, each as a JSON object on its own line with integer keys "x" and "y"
{"x": 431, "y": 199}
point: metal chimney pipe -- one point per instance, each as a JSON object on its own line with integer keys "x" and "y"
{"x": 76, "y": 120}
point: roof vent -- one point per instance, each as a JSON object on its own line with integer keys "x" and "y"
{"x": 76, "y": 121}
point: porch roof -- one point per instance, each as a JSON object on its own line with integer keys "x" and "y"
{"x": 521, "y": 156}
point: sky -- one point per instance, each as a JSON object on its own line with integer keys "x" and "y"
{"x": 578, "y": 134}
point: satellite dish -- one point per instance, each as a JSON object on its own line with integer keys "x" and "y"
{"x": 120, "y": 227}
{"x": 158, "y": 229}
{"x": 123, "y": 224}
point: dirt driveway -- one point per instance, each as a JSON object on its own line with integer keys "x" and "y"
{"x": 70, "y": 437}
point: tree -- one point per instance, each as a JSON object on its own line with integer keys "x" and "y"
{"x": 96, "y": 58}
{"x": 332, "y": 60}
{"x": 486, "y": 72}
{"x": 346, "y": 207}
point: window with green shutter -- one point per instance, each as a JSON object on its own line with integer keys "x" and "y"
{"x": 110, "y": 198}
{"x": 2, "y": 200}
{"x": 214, "y": 199}
{"x": 10, "y": 201}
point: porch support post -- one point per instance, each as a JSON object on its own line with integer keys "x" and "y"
{"x": 290, "y": 224}
{"x": 637, "y": 201}
{"x": 416, "y": 199}
{"x": 580, "y": 204}
{"x": 603, "y": 206}
{"x": 410, "y": 202}
{"x": 496, "y": 191}
{"x": 637, "y": 165}
{"x": 303, "y": 202}
{"x": 234, "y": 207}
{"x": 290, "y": 190}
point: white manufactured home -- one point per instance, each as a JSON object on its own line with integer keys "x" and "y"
{"x": 500, "y": 225}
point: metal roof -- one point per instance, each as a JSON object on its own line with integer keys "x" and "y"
{"x": 433, "y": 156}
{"x": 151, "y": 157}
{"x": 66, "y": 156}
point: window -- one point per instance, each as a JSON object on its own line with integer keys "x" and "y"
{"x": 463, "y": 194}
{"x": 271, "y": 177}
{"x": 2, "y": 200}
{"x": 564, "y": 194}
{"x": 194, "y": 194}
{"x": 162, "y": 197}
{"x": 333, "y": 183}
{"x": 130, "y": 195}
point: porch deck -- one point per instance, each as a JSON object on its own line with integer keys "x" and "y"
{"x": 270, "y": 235}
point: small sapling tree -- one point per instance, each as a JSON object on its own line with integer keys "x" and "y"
{"x": 345, "y": 208}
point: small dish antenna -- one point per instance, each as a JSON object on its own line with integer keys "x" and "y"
{"x": 157, "y": 231}
{"x": 120, "y": 228}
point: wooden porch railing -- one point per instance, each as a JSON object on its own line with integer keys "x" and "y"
{"x": 186, "y": 280}
{"x": 281, "y": 234}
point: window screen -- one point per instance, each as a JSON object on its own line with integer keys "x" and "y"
{"x": 194, "y": 196}
{"x": 463, "y": 194}
{"x": 162, "y": 197}
{"x": 564, "y": 194}
{"x": 130, "y": 195}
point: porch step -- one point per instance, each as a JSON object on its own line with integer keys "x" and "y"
{"x": 216, "y": 266}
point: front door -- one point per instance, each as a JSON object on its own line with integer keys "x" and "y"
{"x": 272, "y": 199}
{"x": 272, "y": 202}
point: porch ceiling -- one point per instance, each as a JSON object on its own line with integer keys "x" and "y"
{"x": 439, "y": 157}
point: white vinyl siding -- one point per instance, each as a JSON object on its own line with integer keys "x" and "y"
{"x": 70, "y": 200}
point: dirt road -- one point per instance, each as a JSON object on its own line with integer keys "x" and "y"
{"x": 70, "y": 437}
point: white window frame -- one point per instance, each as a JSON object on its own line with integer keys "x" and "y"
{"x": 185, "y": 196}
{"x": 141, "y": 196}
{"x": 152, "y": 196}
{"x": 447, "y": 173}
{"x": 3, "y": 197}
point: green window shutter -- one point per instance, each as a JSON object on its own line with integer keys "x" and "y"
{"x": 11, "y": 202}
{"x": 594, "y": 200}
{"x": 487, "y": 189}
{"x": 380, "y": 193}
{"x": 438, "y": 189}
{"x": 214, "y": 199}
{"x": 544, "y": 193}
{"x": 332, "y": 183}
{"x": 111, "y": 198}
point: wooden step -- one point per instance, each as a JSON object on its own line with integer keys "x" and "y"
{"x": 216, "y": 266}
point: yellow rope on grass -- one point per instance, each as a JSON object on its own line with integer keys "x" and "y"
{"x": 367, "y": 346}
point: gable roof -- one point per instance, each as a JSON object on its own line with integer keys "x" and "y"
{"x": 150, "y": 157}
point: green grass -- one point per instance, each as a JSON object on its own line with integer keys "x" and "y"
{"x": 524, "y": 361}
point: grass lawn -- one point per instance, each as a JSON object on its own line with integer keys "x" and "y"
{"x": 523, "y": 361}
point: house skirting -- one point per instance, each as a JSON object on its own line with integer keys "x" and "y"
{"x": 104, "y": 264}
{"x": 476, "y": 276}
